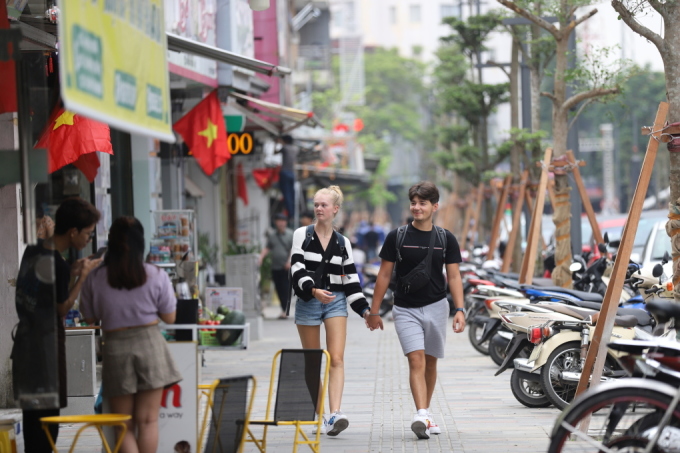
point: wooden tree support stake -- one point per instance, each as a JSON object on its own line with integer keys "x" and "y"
{"x": 597, "y": 350}
{"x": 478, "y": 210}
{"x": 597, "y": 234}
{"x": 499, "y": 217}
{"x": 516, "y": 222}
{"x": 466, "y": 222}
{"x": 526, "y": 275}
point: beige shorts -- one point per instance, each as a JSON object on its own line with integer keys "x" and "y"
{"x": 136, "y": 360}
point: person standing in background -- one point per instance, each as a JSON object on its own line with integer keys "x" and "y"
{"x": 306, "y": 218}
{"x": 279, "y": 244}
{"x": 289, "y": 152}
{"x": 37, "y": 288}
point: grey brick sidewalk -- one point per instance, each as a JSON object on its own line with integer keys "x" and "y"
{"x": 476, "y": 411}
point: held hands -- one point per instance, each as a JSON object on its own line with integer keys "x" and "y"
{"x": 459, "y": 322}
{"x": 373, "y": 322}
{"x": 325, "y": 297}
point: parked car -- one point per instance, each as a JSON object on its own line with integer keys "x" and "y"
{"x": 657, "y": 244}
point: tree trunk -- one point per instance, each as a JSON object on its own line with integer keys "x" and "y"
{"x": 536, "y": 78}
{"x": 562, "y": 215}
{"x": 671, "y": 60}
{"x": 517, "y": 150}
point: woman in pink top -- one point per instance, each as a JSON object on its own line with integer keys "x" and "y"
{"x": 128, "y": 296}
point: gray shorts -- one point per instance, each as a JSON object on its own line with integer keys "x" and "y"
{"x": 423, "y": 328}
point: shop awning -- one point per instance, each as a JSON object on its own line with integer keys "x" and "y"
{"x": 180, "y": 44}
{"x": 192, "y": 189}
{"x": 287, "y": 118}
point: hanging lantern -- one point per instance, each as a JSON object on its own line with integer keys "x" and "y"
{"x": 258, "y": 5}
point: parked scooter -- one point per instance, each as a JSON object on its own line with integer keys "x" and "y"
{"x": 370, "y": 275}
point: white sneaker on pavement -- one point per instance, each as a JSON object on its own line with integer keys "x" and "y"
{"x": 434, "y": 428}
{"x": 324, "y": 427}
{"x": 337, "y": 423}
{"x": 421, "y": 426}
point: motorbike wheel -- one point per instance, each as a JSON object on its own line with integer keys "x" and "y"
{"x": 619, "y": 420}
{"x": 475, "y": 331}
{"x": 566, "y": 357}
{"x": 497, "y": 347}
{"x": 529, "y": 393}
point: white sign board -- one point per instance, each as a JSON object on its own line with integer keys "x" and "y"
{"x": 232, "y": 298}
{"x": 178, "y": 418}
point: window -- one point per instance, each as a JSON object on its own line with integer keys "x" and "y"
{"x": 448, "y": 10}
{"x": 414, "y": 14}
{"x": 393, "y": 15}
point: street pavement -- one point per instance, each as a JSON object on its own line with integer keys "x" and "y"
{"x": 475, "y": 410}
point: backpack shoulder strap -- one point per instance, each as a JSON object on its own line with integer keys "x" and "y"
{"x": 401, "y": 234}
{"x": 309, "y": 235}
{"x": 442, "y": 238}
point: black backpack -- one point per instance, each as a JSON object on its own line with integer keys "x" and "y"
{"x": 309, "y": 235}
{"x": 401, "y": 234}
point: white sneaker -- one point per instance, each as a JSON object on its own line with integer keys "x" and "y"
{"x": 434, "y": 428}
{"x": 421, "y": 426}
{"x": 324, "y": 427}
{"x": 337, "y": 423}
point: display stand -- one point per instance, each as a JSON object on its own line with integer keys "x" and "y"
{"x": 174, "y": 238}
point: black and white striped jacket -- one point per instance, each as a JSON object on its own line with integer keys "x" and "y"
{"x": 305, "y": 262}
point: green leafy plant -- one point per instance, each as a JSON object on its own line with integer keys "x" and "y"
{"x": 208, "y": 252}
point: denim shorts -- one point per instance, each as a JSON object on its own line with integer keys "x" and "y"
{"x": 313, "y": 312}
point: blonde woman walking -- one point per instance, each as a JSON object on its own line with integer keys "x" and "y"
{"x": 325, "y": 280}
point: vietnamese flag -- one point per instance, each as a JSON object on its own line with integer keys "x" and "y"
{"x": 265, "y": 177}
{"x": 205, "y": 133}
{"x": 8, "y": 94}
{"x": 73, "y": 139}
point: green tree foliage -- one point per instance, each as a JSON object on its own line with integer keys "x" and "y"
{"x": 395, "y": 103}
{"x": 466, "y": 104}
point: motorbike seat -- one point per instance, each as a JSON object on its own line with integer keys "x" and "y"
{"x": 625, "y": 321}
{"x": 642, "y": 316}
{"x": 583, "y": 295}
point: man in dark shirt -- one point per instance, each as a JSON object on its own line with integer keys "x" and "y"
{"x": 289, "y": 152}
{"x": 420, "y": 316}
{"x": 38, "y": 365}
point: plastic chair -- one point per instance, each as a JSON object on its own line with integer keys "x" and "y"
{"x": 96, "y": 420}
{"x": 301, "y": 384}
{"x": 230, "y": 407}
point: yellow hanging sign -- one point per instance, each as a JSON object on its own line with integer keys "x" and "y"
{"x": 113, "y": 68}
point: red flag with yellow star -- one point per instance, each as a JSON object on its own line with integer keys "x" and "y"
{"x": 74, "y": 139}
{"x": 205, "y": 133}
{"x": 8, "y": 94}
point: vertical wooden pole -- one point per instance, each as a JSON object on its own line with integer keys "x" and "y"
{"x": 498, "y": 217}
{"x": 466, "y": 222}
{"x": 516, "y": 222}
{"x": 478, "y": 211}
{"x": 529, "y": 262}
{"x": 597, "y": 350}
{"x": 597, "y": 234}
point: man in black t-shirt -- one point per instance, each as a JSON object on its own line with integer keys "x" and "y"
{"x": 420, "y": 316}
{"x": 38, "y": 365}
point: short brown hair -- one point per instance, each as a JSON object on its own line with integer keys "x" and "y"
{"x": 425, "y": 190}
{"x": 74, "y": 213}
{"x": 124, "y": 259}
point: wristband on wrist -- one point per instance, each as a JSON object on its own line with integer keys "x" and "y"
{"x": 374, "y": 314}
{"x": 460, "y": 309}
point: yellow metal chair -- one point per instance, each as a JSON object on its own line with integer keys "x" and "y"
{"x": 96, "y": 420}
{"x": 229, "y": 406}
{"x": 301, "y": 384}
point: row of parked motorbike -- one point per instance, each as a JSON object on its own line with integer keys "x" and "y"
{"x": 543, "y": 333}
